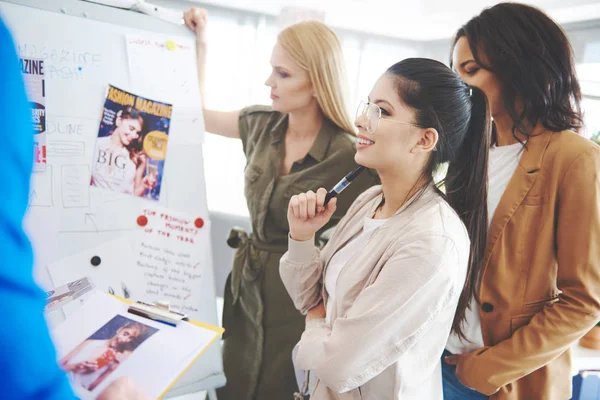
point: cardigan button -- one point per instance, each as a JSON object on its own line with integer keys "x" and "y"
{"x": 487, "y": 307}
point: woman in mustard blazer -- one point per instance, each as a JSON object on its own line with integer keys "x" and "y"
{"x": 537, "y": 290}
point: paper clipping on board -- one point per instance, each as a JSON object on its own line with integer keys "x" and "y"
{"x": 165, "y": 68}
{"x": 32, "y": 70}
{"x": 65, "y": 299}
{"x": 63, "y": 295}
{"x": 102, "y": 341}
{"x": 170, "y": 258}
{"x": 131, "y": 147}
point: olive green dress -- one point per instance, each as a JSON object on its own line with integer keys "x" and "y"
{"x": 262, "y": 325}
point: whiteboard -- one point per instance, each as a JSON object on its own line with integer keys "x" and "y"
{"x": 85, "y": 50}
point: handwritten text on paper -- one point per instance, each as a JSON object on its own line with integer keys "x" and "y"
{"x": 170, "y": 257}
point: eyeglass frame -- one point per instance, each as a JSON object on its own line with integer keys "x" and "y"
{"x": 364, "y": 105}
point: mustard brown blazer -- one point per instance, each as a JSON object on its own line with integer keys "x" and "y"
{"x": 540, "y": 286}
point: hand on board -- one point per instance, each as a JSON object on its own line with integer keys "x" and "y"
{"x": 306, "y": 214}
{"x": 195, "y": 18}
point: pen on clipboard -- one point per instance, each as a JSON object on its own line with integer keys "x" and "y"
{"x": 343, "y": 184}
{"x": 159, "y": 312}
{"x": 152, "y": 317}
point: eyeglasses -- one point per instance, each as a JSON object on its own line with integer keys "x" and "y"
{"x": 372, "y": 114}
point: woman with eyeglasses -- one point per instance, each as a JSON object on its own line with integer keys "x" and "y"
{"x": 537, "y": 290}
{"x": 380, "y": 299}
{"x": 305, "y": 139}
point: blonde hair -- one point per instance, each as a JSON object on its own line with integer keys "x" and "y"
{"x": 317, "y": 49}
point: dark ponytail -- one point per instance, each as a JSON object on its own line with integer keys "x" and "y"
{"x": 461, "y": 116}
{"x": 467, "y": 191}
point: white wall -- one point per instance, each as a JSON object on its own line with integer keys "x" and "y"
{"x": 409, "y": 19}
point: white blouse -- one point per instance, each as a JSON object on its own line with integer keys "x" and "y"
{"x": 339, "y": 260}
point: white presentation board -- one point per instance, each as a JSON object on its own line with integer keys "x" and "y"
{"x": 86, "y": 47}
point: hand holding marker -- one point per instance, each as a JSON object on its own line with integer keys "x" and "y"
{"x": 308, "y": 212}
{"x": 343, "y": 184}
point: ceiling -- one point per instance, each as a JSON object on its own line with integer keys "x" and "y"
{"x": 415, "y": 20}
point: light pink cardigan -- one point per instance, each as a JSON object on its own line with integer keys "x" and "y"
{"x": 395, "y": 301}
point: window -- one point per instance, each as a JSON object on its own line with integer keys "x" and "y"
{"x": 237, "y": 66}
{"x": 588, "y": 74}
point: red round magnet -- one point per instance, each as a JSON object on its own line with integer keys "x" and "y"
{"x": 142, "y": 220}
{"x": 199, "y": 222}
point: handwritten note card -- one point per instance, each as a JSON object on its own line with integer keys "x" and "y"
{"x": 165, "y": 68}
{"x": 170, "y": 256}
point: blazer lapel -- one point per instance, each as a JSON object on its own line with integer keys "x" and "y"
{"x": 519, "y": 185}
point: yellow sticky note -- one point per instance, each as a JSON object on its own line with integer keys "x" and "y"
{"x": 171, "y": 45}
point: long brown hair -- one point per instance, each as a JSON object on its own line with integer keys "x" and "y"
{"x": 533, "y": 60}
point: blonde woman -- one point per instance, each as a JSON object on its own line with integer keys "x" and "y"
{"x": 304, "y": 140}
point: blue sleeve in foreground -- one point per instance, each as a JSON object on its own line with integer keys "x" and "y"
{"x": 28, "y": 367}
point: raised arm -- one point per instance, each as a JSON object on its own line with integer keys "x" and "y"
{"x": 224, "y": 123}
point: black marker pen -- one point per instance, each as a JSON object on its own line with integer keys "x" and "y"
{"x": 343, "y": 184}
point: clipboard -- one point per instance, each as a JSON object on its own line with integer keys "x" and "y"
{"x": 167, "y": 344}
{"x": 162, "y": 312}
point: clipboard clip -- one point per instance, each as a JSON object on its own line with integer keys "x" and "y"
{"x": 159, "y": 312}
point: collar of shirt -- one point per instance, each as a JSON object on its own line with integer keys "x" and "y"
{"x": 319, "y": 148}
